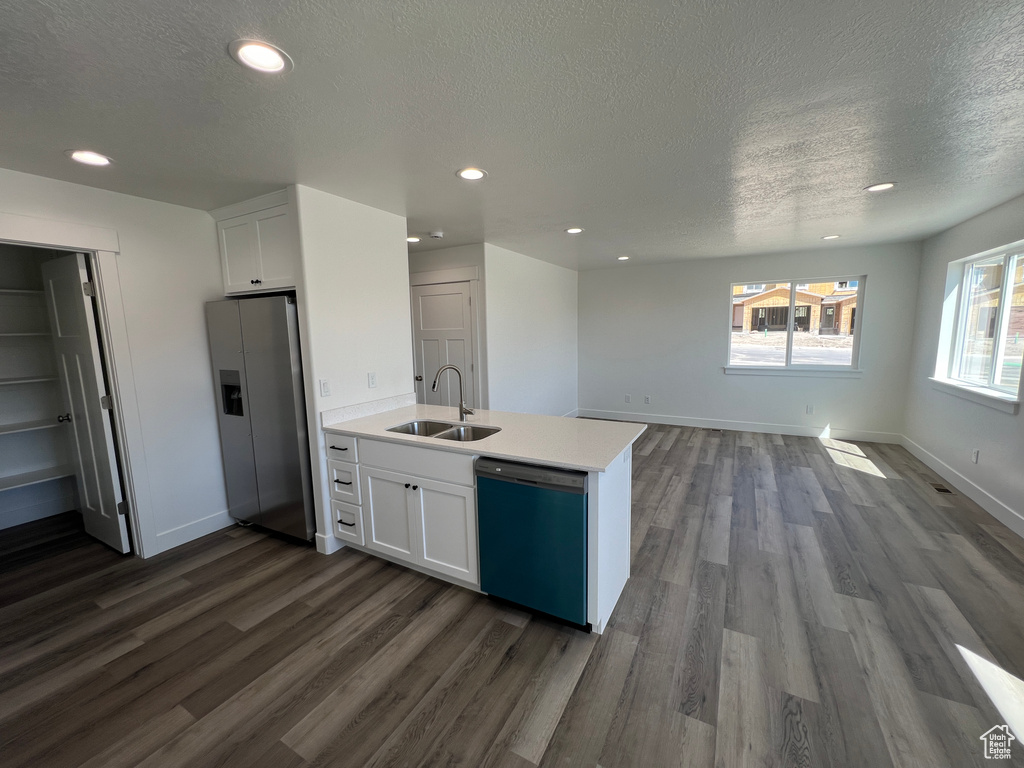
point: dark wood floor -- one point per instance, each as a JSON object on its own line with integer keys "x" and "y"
{"x": 793, "y": 602}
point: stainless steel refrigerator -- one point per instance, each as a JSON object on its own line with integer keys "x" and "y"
{"x": 261, "y": 407}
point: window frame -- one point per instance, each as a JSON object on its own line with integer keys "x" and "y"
{"x": 1011, "y": 255}
{"x": 789, "y": 367}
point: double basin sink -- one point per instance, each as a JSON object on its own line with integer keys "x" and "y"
{"x": 463, "y": 433}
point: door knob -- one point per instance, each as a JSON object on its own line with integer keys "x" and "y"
{"x": 65, "y": 417}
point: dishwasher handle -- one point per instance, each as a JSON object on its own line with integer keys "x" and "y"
{"x": 552, "y": 478}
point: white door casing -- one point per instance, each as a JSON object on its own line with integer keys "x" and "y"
{"x": 442, "y": 321}
{"x": 81, "y": 384}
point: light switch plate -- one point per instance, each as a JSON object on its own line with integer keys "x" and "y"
{"x": 325, "y": 387}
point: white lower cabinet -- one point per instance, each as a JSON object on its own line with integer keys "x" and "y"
{"x": 389, "y": 517}
{"x": 420, "y": 520}
{"x": 348, "y": 521}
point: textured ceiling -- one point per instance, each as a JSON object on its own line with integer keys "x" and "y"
{"x": 667, "y": 129}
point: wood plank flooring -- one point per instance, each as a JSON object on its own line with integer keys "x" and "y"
{"x": 793, "y": 602}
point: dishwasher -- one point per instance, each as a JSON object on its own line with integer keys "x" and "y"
{"x": 532, "y": 524}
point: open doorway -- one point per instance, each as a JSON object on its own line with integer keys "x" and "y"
{"x": 57, "y": 431}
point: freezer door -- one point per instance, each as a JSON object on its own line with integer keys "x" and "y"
{"x": 273, "y": 371}
{"x": 224, "y": 326}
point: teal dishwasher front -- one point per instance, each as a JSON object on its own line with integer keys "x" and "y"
{"x": 532, "y": 524}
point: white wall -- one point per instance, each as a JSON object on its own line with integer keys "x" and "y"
{"x": 942, "y": 428}
{"x": 167, "y": 268}
{"x": 532, "y": 340}
{"x": 354, "y": 301}
{"x": 447, "y": 258}
{"x": 663, "y": 330}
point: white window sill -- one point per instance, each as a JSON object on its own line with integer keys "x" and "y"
{"x": 827, "y": 373}
{"x": 992, "y": 398}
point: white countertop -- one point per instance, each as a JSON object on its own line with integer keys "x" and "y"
{"x": 585, "y": 444}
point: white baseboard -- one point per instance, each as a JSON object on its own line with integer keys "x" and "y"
{"x": 745, "y": 426}
{"x": 1000, "y": 511}
{"x": 328, "y": 545}
{"x": 190, "y": 531}
{"x": 571, "y": 414}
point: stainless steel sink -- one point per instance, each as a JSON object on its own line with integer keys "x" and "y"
{"x": 421, "y": 428}
{"x": 467, "y": 433}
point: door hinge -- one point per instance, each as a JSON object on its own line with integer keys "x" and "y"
{"x": 88, "y": 289}
{"x": 122, "y": 507}
{"x": 105, "y": 403}
{"x": 471, "y": 301}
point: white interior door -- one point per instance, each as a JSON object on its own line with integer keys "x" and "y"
{"x": 442, "y": 320}
{"x": 81, "y": 384}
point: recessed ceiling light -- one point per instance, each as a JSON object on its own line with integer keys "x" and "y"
{"x": 412, "y": 239}
{"x": 87, "y": 157}
{"x": 623, "y": 258}
{"x": 881, "y": 186}
{"x": 471, "y": 174}
{"x": 263, "y": 57}
{"x": 830, "y": 237}
{"x": 574, "y": 230}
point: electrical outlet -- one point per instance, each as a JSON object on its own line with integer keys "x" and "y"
{"x": 974, "y": 455}
{"x": 810, "y": 410}
{"x": 325, "y": 387}
{"x": 647, "y": 399}
{"x": 629, "y": 398}
{"x": 371, "y": 380}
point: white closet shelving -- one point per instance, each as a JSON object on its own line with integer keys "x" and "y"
{"x": 33, "y": 444}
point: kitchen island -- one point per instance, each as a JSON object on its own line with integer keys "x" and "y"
{"x": 411, "y": 498}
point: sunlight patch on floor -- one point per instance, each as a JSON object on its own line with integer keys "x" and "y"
{"x": 1005, "y": 690}
{"x": 849, "y": 455}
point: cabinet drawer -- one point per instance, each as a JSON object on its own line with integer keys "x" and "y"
{"x": 344, "y": 479}
{"x": 433, "y": 463}
{"x": 348, "y": 521}
{"x": 341, "y": 447}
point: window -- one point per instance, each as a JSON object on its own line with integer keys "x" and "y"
{"x": 988, "y": 345}
{"x": 753, "y": 288}
{"x": 787, "y": 327}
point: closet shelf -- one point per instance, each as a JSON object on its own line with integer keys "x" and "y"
{"x": 37, "y": 333}
{"x": 28, "y": 426}
{"x": 26, "y": 379}
{"x": 38, "y": 476}
{"x": 19, "y": 292}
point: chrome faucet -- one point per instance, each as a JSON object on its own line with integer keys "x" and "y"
{"x": 463, "y": 410}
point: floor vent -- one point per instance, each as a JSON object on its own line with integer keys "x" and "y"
{"x": 940, "y": 488}
{"x": 716, "y": 431}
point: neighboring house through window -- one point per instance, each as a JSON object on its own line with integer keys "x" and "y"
{"x": 795, "y": 324}
{"x": 984, "y": 337}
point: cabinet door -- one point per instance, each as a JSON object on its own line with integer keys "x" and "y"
{"x": 239, "y": 254}
{"x": 445, "y": 526}
{"x": 277, "y": 247}
{"x": 386, "y": 507}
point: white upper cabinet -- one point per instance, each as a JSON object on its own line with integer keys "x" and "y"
{"x": 259, "y": 244}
